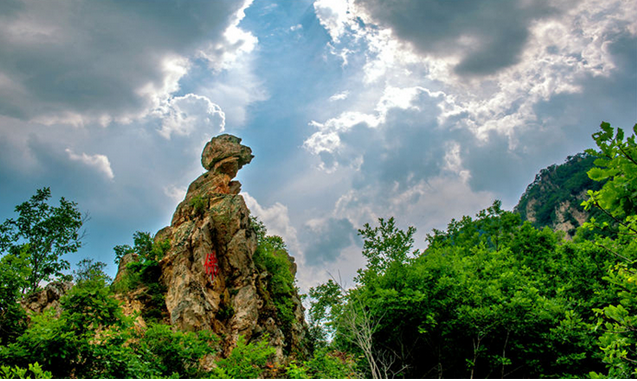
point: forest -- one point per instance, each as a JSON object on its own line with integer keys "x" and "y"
{"x": 491, "y": 296}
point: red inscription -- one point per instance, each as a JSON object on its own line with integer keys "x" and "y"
{"x": 211, "y": 265}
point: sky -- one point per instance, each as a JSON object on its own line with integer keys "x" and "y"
{"x": 355, "y": 110}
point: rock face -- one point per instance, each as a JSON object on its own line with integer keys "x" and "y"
{"x": 47, "y": 297}
{"x": 213, "y": 218}
{"x": 555, "y": 196}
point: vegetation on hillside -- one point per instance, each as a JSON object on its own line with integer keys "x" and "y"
{"x": 491, "y": 296}
{"x": 560, "y": 186}
{"x": 277, "y": 289}
{"x": 142, "y": 273}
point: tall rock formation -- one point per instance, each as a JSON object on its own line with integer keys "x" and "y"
{"x": 213, "y": 221}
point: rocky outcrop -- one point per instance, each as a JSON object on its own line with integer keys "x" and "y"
{"x": 555, "y": 196}
{"x": 214, "y": 219}
{"x": 48, "y": 297}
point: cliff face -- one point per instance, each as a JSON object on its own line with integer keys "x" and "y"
{"x": 213, "y": 222}
{"x": 555, "y": 196}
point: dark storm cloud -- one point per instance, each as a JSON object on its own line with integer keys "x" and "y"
{"x": 489, "y": 35}
{"x": 93, "y": 57}
{"x": 328, "y": 241}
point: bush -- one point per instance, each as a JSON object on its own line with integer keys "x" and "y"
{"x": 87, "y": 340}
{"x": 245, "y": 360}
{"x": 198, "y": 205}
{"x": 175, "y": 353}
{"x": 145, "y": 271}
{"x": 34, "y": 371}
{"x": 272, "y": 256}
{"x": 325, "y": 364}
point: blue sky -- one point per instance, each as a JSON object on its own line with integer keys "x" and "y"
{"x": 355, "y": 110}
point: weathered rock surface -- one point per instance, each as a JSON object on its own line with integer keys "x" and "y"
{"x": 47, "y": 297}
{"x": 554, "y": 198}
{"x": 213, "y": 218}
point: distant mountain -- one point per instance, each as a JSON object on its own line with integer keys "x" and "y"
{"x": 554, "y": 197}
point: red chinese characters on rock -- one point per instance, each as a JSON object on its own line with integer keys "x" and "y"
{"x": 211, "y": 265}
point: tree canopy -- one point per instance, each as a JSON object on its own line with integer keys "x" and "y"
{"x": 493, "y": 296}
{"x": 41, "y": 235}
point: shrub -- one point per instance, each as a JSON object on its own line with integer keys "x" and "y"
{"x": 175, "y": 353}
{"x": 245, "y": 360}
{"x": 34, "y": 371}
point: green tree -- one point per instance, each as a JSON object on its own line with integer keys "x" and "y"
{"x": 14, "y": 271}
{"x": 326, "y": 301}
{"x": 92, "y": 338}
{"x": 384, "y": 246}
{"x": 617, "y": 165}
{"x": 617, "y": 325}
{"x": 494, "y": 297}
{"x": 87, "y": 340}
{"x": 325, "y": 364}
{"x": 44, "y": 233}
{"x": 489, "y": 297}
{"x": 144, "y": 272}
{"x": 88, "y": 269}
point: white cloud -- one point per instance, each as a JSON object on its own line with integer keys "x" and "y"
{"x": 277, "y": 221}
{"x": 189, "y": 113}
{"x": 327, "y": 138}
{"x": 339, "y": 96}
{"x": 239, "y": 87}
{"x": 554, "y": 55}
{"x": 97, "y": 161}
{"x": 175, "y": 193}
{"x": 236, "y": 42}
{"x": 418, "y": 205}
{"x": 333, "y": 15}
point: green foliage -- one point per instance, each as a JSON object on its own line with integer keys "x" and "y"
{"x": 85, "y": 341}
{"x": 296, "y": 372}
{"x": 145, "y": 246}
{"x": 272, "y": 256}
{"x": 91, "y": 338}
{"x": 88, "y": 270}
{"x": 13, "y": 279}
{"x": 34, "y": 371}
{"x": 617, "y": 325}
{"x": 245, "y": 360}
{"x": 259, "y": 228}
{"x": 145, "y": 273}
{"x": 325, "y": 364}
{"x": 171, "y": 352}
{"x": 326, "y": 305}
{"x": 490, "y": 297}
{"x": 555, "y": 185}
{"x": 198, "y": 205}
{"x": 617, "y": 166}
{"x": 385, "y": 247}
{"x": 43, "y": 233}
{"x": 494, "y": 297}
